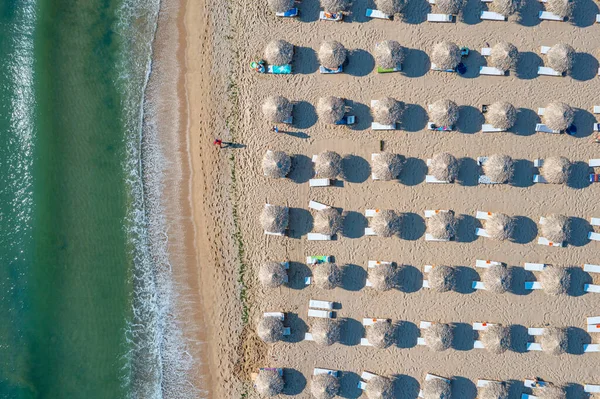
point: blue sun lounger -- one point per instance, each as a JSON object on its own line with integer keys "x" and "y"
{"x": 324, "y": 70}
{"x": 378, "y": 14}
{"x": 346, "y": 120}
{"x": 280, "y": 69}
{"x": 293, "y": 12}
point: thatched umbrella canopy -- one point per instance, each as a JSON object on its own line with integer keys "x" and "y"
{"x": 446, "y": 55}
{"x": 324, "y": 386}
{"x": 327, "y": 276}
{"x": 436, "y": 388}
{"x": 272, "y": 274}
{"x": 442, "y": 225}
{"x": 559, "y": 116}
{"x": 331, "y": 109}
{"x": 279, "y": 52}
{"x": 269, "y": 383}
{"x": 502, "y": 115}
{"x": 494, "y": 390}
{"x": 438, "y": 337}
{"x": 328, "y": 165}
{"x": 500, "y": 226}
{"x": 444, "y": 167}
{"x": 497, "y": 279}
{"x": 556, "y": 170}
{"x": 555, "y": 280}
{"x": 328, "y": 221}
{"x": 504, "y": 56}
{"x": 554, "y": 340}
{"x": 496, "y": 339}
{"x": 505, "y": 7}
{"x": 387, "y": 111}
{"x": 384, "y": 277}
{"x": 560, "y": 57}
{"x": 551, "y": 392}
{"x": 326, "y": 332}
{"x": 386, "y": 223}
{"x": 442, "y": 278}
{"x": 387, "y": 166}
{"x": 277, "y": 109}
{"x": 389, "y": 54}
{"x": 276, "y": 164}
{"x": 450, "y": 6}
{"x": 562, "y": 8}
{"x": 270, "y": 329}
{"x": 390, "y": 7}
{"x": 335, "y": 6}
{"x": 380, "y": 387}
{"x": 380, "y": 334}
{"x": 274, "y": 218}
{"x": 332, "y": 54}
{"x": 499, "y": 168}
{"x": 444, "y": 113}
{"x": 281, "y": 5}
{"x": 556, "y": 228}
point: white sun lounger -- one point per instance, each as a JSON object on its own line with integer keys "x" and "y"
{"x": 489, "y": 128}
{"x": 317, "y": 304}
{"x": 323, "y": 314}
{"x": 369, "y": 231}
{"x": 539, "y": 179}
{"x": 534, "y": 346}
{"x": 598, "y": 21}
{"x": 483, "y": 215}
{"x": 308, "y": 337}
{"x": 593, "y": 328}
{"x": 535, "y": 331}
{"x": 430, "y": 237}
{"x": 430, "y": 212}
{"x": 486, "y": 70}
{"x": 317, "y": 205}
{"x": 481, "y": 232}
{"x": 478, "y": 285}
{"x": 533, "y": 285}
{"x": 547, "y": 71}
{"x": 591, "y": 288}
{"x": 596, "y": 109}
{"x": 279, "y": 315}
{"x": 369, "y": 322}
{"x": 595, "y": 221}
{"x": 482, "y": 326}
{"x": 434, "y": 67}
{"x": 549, "y": 16}
{"x": 538, "y": 163}
{"x": 484, "y": 264}
{"x": 592, "y": 320}
{"x": 369, "y": 213}
{"x": 440, "y": 18}
{"x": 426, "y": 269}
{"x": 485, "y": 383}
{"x": 594, "y": 236}
{"x": 544, "y": 49}
{"x": 318, "y": 237}
{"x": 594, "y": 163}
{"x": 362, "y": 385}
{"x": 486, "y": 51}
{"x": 478, "y": 344}
{"x": 365, "y": 342}
{"x": 542, "y": 128}
{"x": 545, "y": 241}
{"x": 591, "y": 388}
{"x": 534, "y": 267}
{"x": 318, "y": 371}
{"x": 492, "y": 16}
{"x": 319, "y": 182}
{"x": 591, "y": 268}
{"x": 377, "y": 14}
{"x": 374, "y": 263}
{"x": 430, "y": 377}
{"x": 367, "y": 376}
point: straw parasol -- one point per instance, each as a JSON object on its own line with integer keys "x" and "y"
{"x": 279, "y": 52}
{"x": 274, "y": 218}
{"x": 554, "y": 340}
{"x": 389, "y": 54}
{"x": 555, "y": 280}
{"x": 277, "y": 109}
{"x": 506, "y": 7}
{"x": 268, "y": 382}
{"x": 450, "y": 6}
{"x": 494, "y": 389}
{"x": 328, "y": 165}
{"x": 504, "y": 56}
{"x": 559, "y": 116}
{"x": 276, "y": 164}
{"x": 387, "y": 166}
{"x": 444, "y": 113}
{"x": 270, "y": 329}
{"x": 437, "y": 388}
{"x": 502, "y": 115}
{"x": 387, "y": 111}
{"x": 380, "y": 334}
{"x": 335, "y": 6}
{"x": 384, "y": 277}
{"x": 438, "y": 336}
{"x": 562, "y": 8}
{"x": 556, "y": 170}
{"x": 272, "y": 274}
{"x": 551, "y": 392}
{"x": 390, "y": 7}
{"x": 496, "y": 339}
{"x": 380, "y": 387}
{"x": 442, "y": 278}
{"x": 328, "y": 221}
{"x": 444, "y": 167}
{"x": 324, "y": 386}
{"x": 331, "y": 109}
{"x": 332, "y": 54}
{"x": 281, "y": 5}
{"x": 499, "y": 168}
{"x": 386, "y": 223}
{"x": 446, "y": 55}
{"x": 497, "y": 279}
{"x": 556, "y": 228}
{"x": 327, "y": 276}
{"x": 442, "y": 225}
{"x": 500, "y": 226}
{"x": 560, "y": 57}
{"x": 326, "y": 332}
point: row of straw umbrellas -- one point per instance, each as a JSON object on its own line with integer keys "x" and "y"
{"x": 502, "y": 115}
{"x": 498, "y": 279}
{"x": 445, "y": 54}
{"x": 443, "y": 166}
{"x": 562, "y": 8}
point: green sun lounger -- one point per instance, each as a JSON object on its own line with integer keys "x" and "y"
{"x": 389, "y": 70}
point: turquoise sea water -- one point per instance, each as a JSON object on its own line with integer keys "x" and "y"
{"x": 81, "y": 306}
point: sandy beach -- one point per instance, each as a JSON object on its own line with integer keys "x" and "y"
{"x": 228, "y": 192}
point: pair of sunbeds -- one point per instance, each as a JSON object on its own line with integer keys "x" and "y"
{"x": 312, "y": 261}
{"x": 317, "y": 206}
{"x": 280, "y": 316}
{"x": 373, "y": 264}
{"x": 366, "y": 322}
{"x": 486, "y": 70}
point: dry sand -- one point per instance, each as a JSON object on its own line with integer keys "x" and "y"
{"x": 224, "y": 100}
